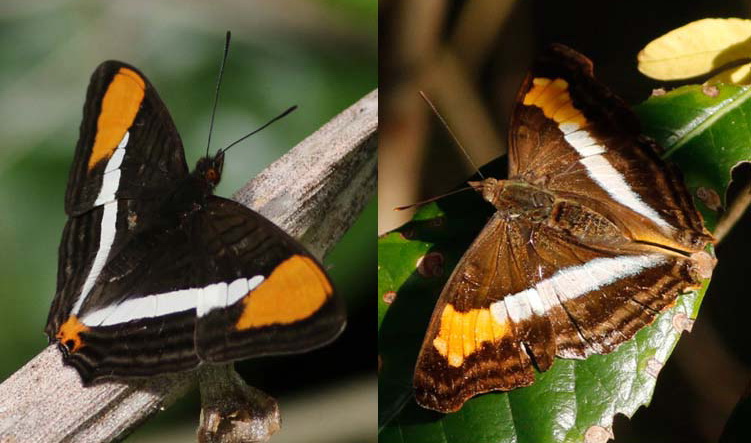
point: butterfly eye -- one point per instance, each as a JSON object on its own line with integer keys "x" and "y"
{"x": 212, "y": 176}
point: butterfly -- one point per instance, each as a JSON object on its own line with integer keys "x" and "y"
{"x": 593, "y": 236}
{"x": 156, "y": 274}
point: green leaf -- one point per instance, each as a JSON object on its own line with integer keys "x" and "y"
{"x": 706, "y": 136}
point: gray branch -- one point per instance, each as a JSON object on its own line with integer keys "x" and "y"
{"x": 315, "y": 192}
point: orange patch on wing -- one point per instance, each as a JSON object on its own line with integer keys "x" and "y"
{"x": 462, "y": 333}
{"x": 120, "y": 105}
{"x": 468, "y": 332}
{"x": 538, "y": 87}
{"x": 294, "y": 291}
{"x": 552, "y": 96}
{"x": 566, "y": 112}
{"x": 70, "y": 332}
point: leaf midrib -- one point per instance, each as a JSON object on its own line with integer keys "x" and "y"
{"x": 708, "y": 118}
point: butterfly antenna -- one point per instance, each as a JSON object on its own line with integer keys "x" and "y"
{"x": 278, "y": 117}
{"x": 432, "y": 199}
{"x": 216, "y": 93}
{"x": 453, "y": 136}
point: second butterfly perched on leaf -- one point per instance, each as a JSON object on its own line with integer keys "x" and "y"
{"x": 594, "y": 235}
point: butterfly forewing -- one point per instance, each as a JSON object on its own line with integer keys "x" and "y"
{"x": 594, "y": 236}
{"x": 573, "y": 136}
{"x": 127, "y": 137}
{"x": 128, "y": 148}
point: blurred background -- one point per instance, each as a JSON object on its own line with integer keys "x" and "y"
{"x": 318, "y": 54}
{"x": 470, "y": 57}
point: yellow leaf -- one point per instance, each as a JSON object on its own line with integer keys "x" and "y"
{"x": 696, "y": 48}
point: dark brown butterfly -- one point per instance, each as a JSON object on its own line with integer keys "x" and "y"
{"x": 156, "y": 274}
{"x": 594, "y": 235}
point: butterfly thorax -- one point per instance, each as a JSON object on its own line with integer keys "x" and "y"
{"x": 516, "y": 198}
{"x": 190, "y": 194}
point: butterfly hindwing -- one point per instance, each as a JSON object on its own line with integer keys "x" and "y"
{"x": 112, "y": 329}
{"x": 231, "y": 286}
{"x": 78, "y": 247}
{"x": 293, "y": 309}
{"x": 523, "y": 294}
{"x": 465, "y": 352}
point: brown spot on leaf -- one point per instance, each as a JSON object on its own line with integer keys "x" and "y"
{"x": 658, "y": 92}
{"x": 430, "y": 265}
{"x": 703, "y": 263}
{"x": 598, "y": 434}
{"x": 710, "y": 90}
{"x": 681, "y": 323}
{"x": 709, "y": 197}
{"x": 389, "y": 296}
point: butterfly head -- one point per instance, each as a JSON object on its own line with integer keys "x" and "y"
{"x": 489, "y": 188}
{"x": 210, "y": 168}
{"x": 516, "y": 197}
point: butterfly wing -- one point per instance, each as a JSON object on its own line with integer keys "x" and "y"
{"x": 120, "y": 328}
{"x": 289, "y": 306}
{"x": 232, "y": 286}
{"x": 524, "y": 293}
{"x": 128, "y": 146}
{"x": 570, "y": 134}
{"x": 128, "y": 154}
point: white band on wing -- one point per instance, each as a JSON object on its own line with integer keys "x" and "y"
{"x": 107, "y": 230}
{"x": 570, "y": 283}
{"x": 203, "y": 300}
